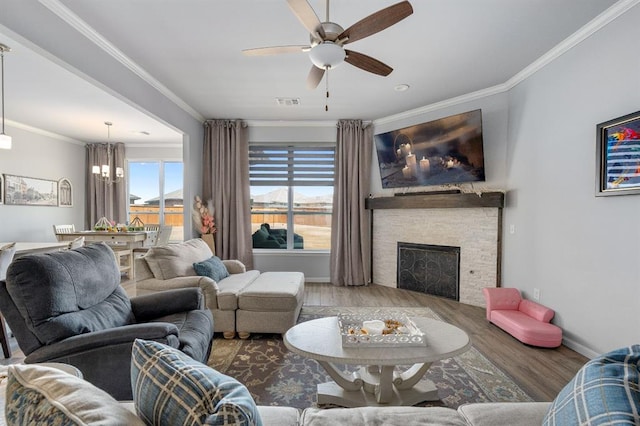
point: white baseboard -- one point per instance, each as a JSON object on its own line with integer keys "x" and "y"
{"x": 581, "y": 349}
{"x": 316, "y": 279}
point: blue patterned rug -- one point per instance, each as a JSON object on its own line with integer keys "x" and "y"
{"x": 275, "y": 376}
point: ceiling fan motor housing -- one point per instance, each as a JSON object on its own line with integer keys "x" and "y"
{"x": 331, "y": 33}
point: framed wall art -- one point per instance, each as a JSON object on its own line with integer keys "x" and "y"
{"x": 65, "y": 193}
{"x": 618, "y": 156}
{"x": 28, "y": 191}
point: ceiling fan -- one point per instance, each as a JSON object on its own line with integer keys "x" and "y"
{"x": 326, "y": 48}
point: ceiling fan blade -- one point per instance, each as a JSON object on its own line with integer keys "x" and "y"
{"x": 377, "y": 21}
{"x": 307, "y": 16}
{"x": 275, "y": 50}
{"x": 367, "y": 63}
{"x": 315, "y": 77}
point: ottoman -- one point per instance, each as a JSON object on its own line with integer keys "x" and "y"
{"x": 270, "y": 304}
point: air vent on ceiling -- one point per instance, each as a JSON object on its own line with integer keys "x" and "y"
{"x": 288, "y": 101}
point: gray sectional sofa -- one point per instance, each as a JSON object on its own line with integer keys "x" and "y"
{"x": 606, "y": 390}
{"x": 244, "y": 302}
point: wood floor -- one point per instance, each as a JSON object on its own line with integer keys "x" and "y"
{"x": 541, "y": 373}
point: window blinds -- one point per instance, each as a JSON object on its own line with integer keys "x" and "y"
{"x": 291, "y": 165}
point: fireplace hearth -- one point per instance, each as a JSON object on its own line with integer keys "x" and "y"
{"x": 429, "y": 269}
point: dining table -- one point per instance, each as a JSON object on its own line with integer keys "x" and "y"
{"x": 128, "y": 239}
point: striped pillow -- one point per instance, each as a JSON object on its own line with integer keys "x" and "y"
{"x": 605, "y": 391}
{"x": 169, "y": 387}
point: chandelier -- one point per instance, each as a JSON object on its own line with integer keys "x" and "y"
{"x": 103, "y": 172}
{"x": 5, "y": 140}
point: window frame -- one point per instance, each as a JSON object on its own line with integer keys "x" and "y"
{"x": 290, "y": 183}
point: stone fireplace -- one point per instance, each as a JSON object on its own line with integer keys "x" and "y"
{"x": 470, "y": 222}
{"x": 429, "y": 269}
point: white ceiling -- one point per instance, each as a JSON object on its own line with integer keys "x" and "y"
{"x": 447, "y": 48}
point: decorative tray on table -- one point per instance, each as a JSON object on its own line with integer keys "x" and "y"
{"x": 379, "y": 330}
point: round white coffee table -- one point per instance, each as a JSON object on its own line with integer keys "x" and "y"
{"x": 376, "y": 382}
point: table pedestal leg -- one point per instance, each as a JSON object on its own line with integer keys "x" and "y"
{"x": 376, "y": 386}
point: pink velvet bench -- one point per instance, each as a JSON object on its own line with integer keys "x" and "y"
{"x": 525, "y": 320}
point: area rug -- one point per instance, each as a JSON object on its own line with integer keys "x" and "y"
{"x": 275, "y": 376}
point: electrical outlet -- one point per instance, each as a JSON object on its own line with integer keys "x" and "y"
{"x": 536, "y": 293}
{"x": 512, "y": 229}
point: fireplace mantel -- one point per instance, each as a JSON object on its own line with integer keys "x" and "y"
{"x": 437, "y": 201}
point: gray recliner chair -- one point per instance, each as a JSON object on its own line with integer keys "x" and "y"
{"x": 69, "y": 307}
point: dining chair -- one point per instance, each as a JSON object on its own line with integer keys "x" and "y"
{"x": 78, "y": 242}
{"x": 152, "y": 234}
{"x": 63, "y": 229}
{"x": 159, "y": 238}
{"x": 164, "y": 235}
{"x": 6, "y": 256}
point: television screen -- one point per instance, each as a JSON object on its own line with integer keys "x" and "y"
{"x": 444, "y": 151}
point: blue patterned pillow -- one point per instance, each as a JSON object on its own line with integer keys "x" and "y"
{"x": 606, "y": 391}
{"x": 170, "y": 387}
{"x": 212, "y": 268}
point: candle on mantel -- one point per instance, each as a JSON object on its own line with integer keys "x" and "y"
{"x": 399, "y": 152}
{"x": 406, "y": 172}
{"x": 407, "y": 148}
{"x": 424, "y": 165}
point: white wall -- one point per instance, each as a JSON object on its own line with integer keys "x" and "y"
{"x": 38, "y": 156}
{"x": 581, "y": 251}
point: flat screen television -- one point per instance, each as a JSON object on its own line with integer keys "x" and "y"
{"x": 444, "y": 151}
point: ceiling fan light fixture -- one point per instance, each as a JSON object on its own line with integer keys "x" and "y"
{"x": 327, "y": 55}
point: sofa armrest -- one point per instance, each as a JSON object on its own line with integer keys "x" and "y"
{"x": 102, "y": 340}
{"x": 536, "y": 310}
{"x": 234, "y": 266}
{"x": 504, "y": 413}
{"x": 501, "y": 298}
{"x": 152, "y": 306}
{"x": 208, "y": 286}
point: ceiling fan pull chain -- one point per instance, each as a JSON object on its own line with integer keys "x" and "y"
{"x": 326, "y": 102}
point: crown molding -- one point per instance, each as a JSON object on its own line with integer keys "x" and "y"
{"x": 597, "y": 23}
{"x": 85, "y": 29}
{"x": 490, "y": 91}
{"x": 42, "y": 132}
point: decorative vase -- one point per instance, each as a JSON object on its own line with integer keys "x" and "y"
{"x": 208, "y": 238}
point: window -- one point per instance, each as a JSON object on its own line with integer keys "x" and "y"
{"x": 147, "y": 180}
{"x": 291, "y": 190}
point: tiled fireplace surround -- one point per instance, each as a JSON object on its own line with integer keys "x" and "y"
{"x": 476, "y": 230}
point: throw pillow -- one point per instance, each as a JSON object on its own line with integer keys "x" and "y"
{"x": 37, "y": 394}
{"x": 606, "y": 390}
{"x": 176, "y": 260}
{"x": 212, "y": 268}
{"x": 170, "y": 387}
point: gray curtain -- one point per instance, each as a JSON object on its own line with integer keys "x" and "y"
{"x": 105, "y": 199}
{"x": 226, "y": 182}
{"x": 350, "y": 258}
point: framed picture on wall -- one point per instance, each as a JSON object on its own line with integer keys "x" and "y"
{"x": 65, "y": 193}
{"x": 618, "y": 156}
{"x": 28, "y": 191}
